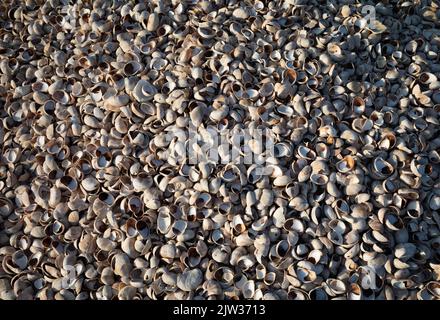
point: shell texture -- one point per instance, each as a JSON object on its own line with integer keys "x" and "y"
{"x": 121, "y": 125}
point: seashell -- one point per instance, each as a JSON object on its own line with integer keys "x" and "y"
{"x": 168, "y": 251}
{"x": 189, "y": 280}
{"x": 114, "y": 103}
{"x": 345, "y": 165}
{"x": 266, "y": 198}
{"x": 282, "y": 181}
{"x": 292, "y": 224}
{"x": 282, "y": 150}
{"x": 142, "y": 182}
{"x": 40, "y": 86}
{"x": 169, "y": 278}
{"x": 335, "y": 51}
{"x": 354, "y": 292}
{"x": 332, "y": 189}
{"x": 144, "y": 91}
{"x": 158, "y": 63}
{"x": 304, "y": 174}
{"x": 299, "y": 204}
{"x": 61, "y": 96}
{"x": 434, "y": 203}
{"x": 362, "y": 125}
{"x": 315, "y": 256}
{"x": 163, "y": 222}
{"x": 131, "y": 68}
{"x": 260, "y": 224}
{"x": 290, "y": 75}
{"x": 179, "y": 227}
{"x": 266, "y": 90}
{"x": 206, "y": 33}
{"x": 240, "y": 13}
{"x": 377, "y": 27}
{"x": 248, "y": 289}
{"x": 414, "y": 69}
{"x": 358, "y": 105}
{"x": 306, "y": 153}
{"x": 67, "y": 182}
{"x": 238, "y": 224}
{"x": 318, "y": 179}
{"x": 354, "y": 86}
{"x": 318, "y": 294}
{"x": 305, "y": 275}
{"x": 207, "y": 151}
{"x": 196, "y": 115}
{"x": 335, "y": 287}
{"x": 127, "y": 293}
{"x": 427, "y": 78}
{"x": 388, "y": 142}
{"x": 121, "y": 265}
{"x": 90, "y": 184}
{"x": 414, "y": 209}
{"x": 433, "y": 288}
{"x": 345, "y": 11}
{"x": 405, "y": 251}
{"x": 20, "y": 259}
{"x": 382, "y": 168}
{"x": 153, "y": 22}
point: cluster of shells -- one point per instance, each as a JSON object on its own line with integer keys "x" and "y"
{"x": 94, "y": 205}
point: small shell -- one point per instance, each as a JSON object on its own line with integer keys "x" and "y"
{"x": 196, "y": 115}
{"x": 260, "y": 224}
{"x": 240, "y": 13}
{"x": 90, "y": 184}
{"x": 318, "y": 179}
{"x": 318, "y": 294}
{"x": 189, "y": 280}
{"x": 335, "y": 51}
{"x": 299, "y": 203}
{"x": 414, "y": 209}
{"x": 345, "y": 165}
{"x": 114, "y": 103}
{"x": 121, "y": 265}
{"x": 163, "y": 222}
{"x": 304, "y": 174}
{"x": 201, "y": 150}
{"x": 20, "y": 259}
{"x": 382, "y": 168}
{"x": 335, "y": 287}
{"x": 354, "y": 189}
{"x": 238, "y": 224}
{"x": 362, "y": 125}
{"x": 144, "y": 91}
{"x": 131, "y": 68}
{"x": 206, "y": 33}
{"x": 168, "y": 252}
{"x": 358, "y": 104}
{"x": 354, "y": 292}
{"x": 153, "y": 22}
{"x": 248, "y": 289}
{"x": 434, "y": 288}
{"x": 61, "y": 97}
{"x": 388, "y": 142}
{"x": 282, "y": 181}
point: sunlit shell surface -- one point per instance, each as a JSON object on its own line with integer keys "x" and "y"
{"x": 284, "y": 149}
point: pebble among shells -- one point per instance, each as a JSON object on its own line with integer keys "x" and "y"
{"x": 94, "y": 205}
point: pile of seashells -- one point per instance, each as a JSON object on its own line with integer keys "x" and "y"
{"x": 94, "y": 205}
